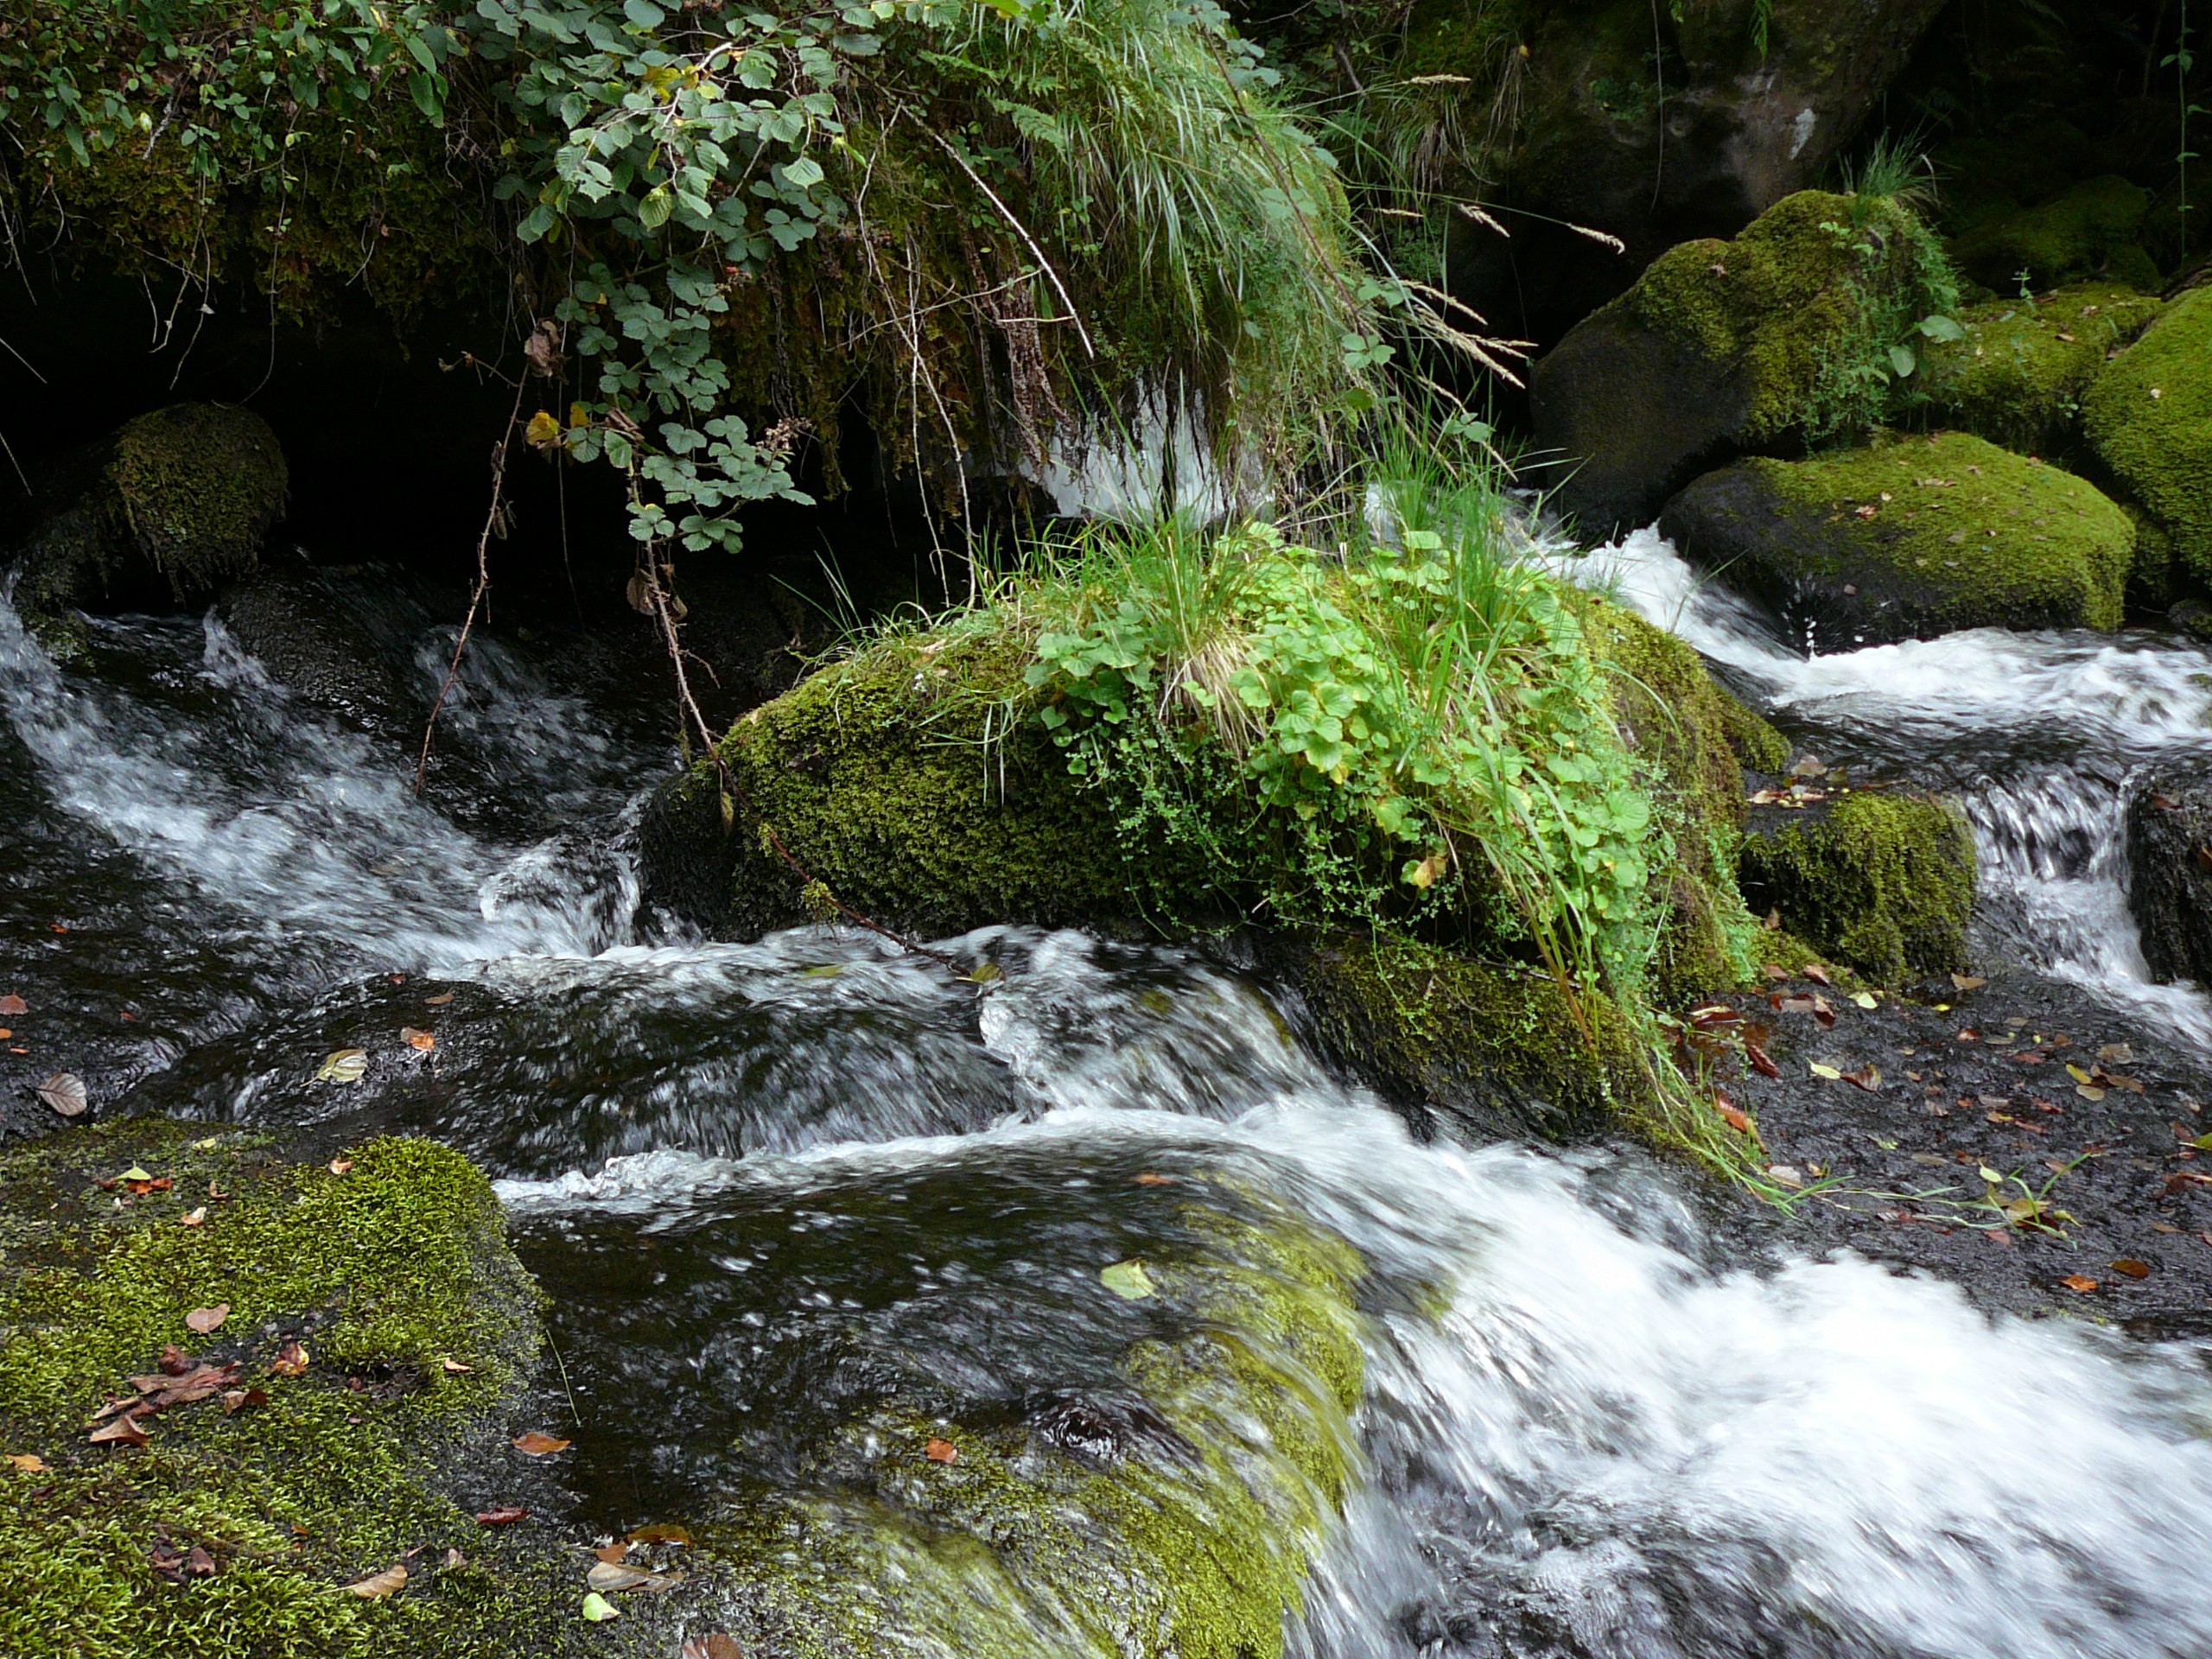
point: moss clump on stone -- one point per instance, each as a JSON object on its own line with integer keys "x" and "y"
{"x": 913, "y": 783}
{"x": 2018, "y": 374}
{"x": 1771, "y": 340}
{"x": 1184, "y": 1529}
{"x": 384, "y": 1272}
{"x": 2089, "y": 229}
{"x": 175, "y": 503}
{"x": 2149, "y": 417}
{"x": 1883, "y": 883}
{"x": 1911, "y": 537}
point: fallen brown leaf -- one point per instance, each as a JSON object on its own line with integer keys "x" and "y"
{"x": 2079, "y": 1282}
{"x": 440, "y": 1000}
{"x": 613, "y": 1576}
{"x": 504, "y": 1515}
{"x": 1818, "y": 974}
{"x": 1149, "y": 1178}
{"x": 421, "y": 1041}
{"x": 1737, "y": 1119}
{"x": 613, "y": 1554}
{"x": 123, "y": 1431}
{"x": 377, "y": 1585}
{"x": 194, "y": 1217}
{"x": 29, "y": 1463}
{"x": 339, "y": 1165}
{"x": 450, "y": 1364}
{"x": 716, "y": 1646}
{"x": 174, "y": 1361}
{"x": 940, "y": 1451}
{"x": 204, "y": 1321}
{"x": 2131, "y": 1267}
{"x": 662, "y": 1532}
{"x": 198, "y": 1563}
{"x": 1761, "y": 1060}
{"x": 13, "y": 1004}
{"x": 237, "y": 1398}
{"x": 1968, "y": 982}
{"x": 291, "y": 1360}
{"x": 539, "y": 1445}
{"x": 65, "y": 1092}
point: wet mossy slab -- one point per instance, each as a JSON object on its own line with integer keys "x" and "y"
{"x": 1043, "y": 1396}
{"x": 1911, "y": 538}
{"x": 2149, "y": 417}
{"x": 376, "y": 1322}
{"x": 1883, "y": 883}
{"x": 2018, "y": 374}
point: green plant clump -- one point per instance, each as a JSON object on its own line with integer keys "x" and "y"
{"x": 384, "y": 1271}
{"x": 2149, "y": 417}
{"x": 2018, "y": 372}
{"x": 1882, "y": 883}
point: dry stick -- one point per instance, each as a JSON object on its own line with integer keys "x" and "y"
{"x": 483, "y": 579}
{"x": 1007, "y": 213}
{"x": 731, "y": 792}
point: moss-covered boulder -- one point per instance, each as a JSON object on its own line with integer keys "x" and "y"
{"x": 174, "y": 1489}
{"x": 913, "y": 783}
{"x": 1694, "y": 740}
{"x": 1727, "y": 346}
{"x": 1909, "y": 538}
{"x": 174, "y": 503}
{"x": 1883, "y": 883}
{"x": 2148, "y": 418}
{"x": 2089, "y": 229}
{"x": 2018, "y": 374}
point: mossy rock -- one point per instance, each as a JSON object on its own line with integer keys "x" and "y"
{"x": 2090, "y": 230}
{"x": 1484, "y": 1050}
{"x": 913, "y": 783}
{"x": 176, "y": 503}
{"x": 1911, "y": 538}
{"x": 2018, "y": 374}
{"x": 1720, "y": 347}
{"x": 2148, "y": 418}
{"x": 1694, "y": 740}
{"x": 1883, "y": 883}
{"x": 385, "y": 1265}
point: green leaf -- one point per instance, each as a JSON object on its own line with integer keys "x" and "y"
{"x": 655, "y": 206}
{"x": 1128, "y": 1280}
{"x": 1941, "y": 328}
{"x": 1902, "y": 359}
{"x": 597, "y": 1608}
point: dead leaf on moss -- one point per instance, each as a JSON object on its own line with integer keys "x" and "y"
{"x": 239, "y": 1399}
{"x": 194, "y": 1217}
{"x": 504, "y": 1515}
{"x": 13, "y": 1004}
{"x": 2080, "y": 1283}
{"x": 2131, "y": 1267}
{"x": 939, "y": 1451}
{"x": 440, "y": 1000}
{"x": 714, "y": 1646}
{"x": 662, "y": 1532}
{"x": 122, "y": 1431}
{"x": 377, "y": 1585}
{"x": 29, "y": 1463}
{"x": 340, "y": 1166}
{"x": 450, "y": 1364}
{"x": 421, "y": 1041}
{"x": 205, "y": 1321}
{"x": 539, "y": 1445}
{"x": 291, "y": 1360}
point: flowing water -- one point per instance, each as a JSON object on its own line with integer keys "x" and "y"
{"x": 768, "y": 1183}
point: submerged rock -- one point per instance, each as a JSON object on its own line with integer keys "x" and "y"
{"x": 2087, "y": 230}
{"x": 2170, "y": 874}
{"x": 1761, "y": 342}
{"x": 1909, "y": 538}
{"x": 1883, "y": 883}
{"x": 2149, "y": 417}
{"x": 2018, "y": 375}
{"x": 174, "y": 505}
{"x": 329, "y": 1350}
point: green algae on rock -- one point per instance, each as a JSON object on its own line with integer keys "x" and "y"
{"x": 1883, "y": 883}
{"x": 2089, "y": 229}
{"x": 1911, "y": 537}
{"x": 2149, "y": 417}
{"x": 1779, "y": 336}
{"x": 2018, "y": 375}
{"x": 175, "y": 503}
{"x": 391, "y": 1268}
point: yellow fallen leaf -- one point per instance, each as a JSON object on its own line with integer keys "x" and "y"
{"x": 543, "y": 431}
{"x": 1834, "y": 1073}
{"x": 377, "y": 1585}
{"x": 29, "y": 1463}
{"x": 1864, "y": 999}
{"x": 1127, "y": 1280}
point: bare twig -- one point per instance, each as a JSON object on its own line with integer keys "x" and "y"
{"x": 483, "y": 579}
{"x": 1020, "y": 230}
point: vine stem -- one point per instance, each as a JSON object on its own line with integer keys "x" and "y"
{"x": 483, "y": 578}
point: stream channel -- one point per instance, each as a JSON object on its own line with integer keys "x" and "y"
{"x": 765, "y": 1182}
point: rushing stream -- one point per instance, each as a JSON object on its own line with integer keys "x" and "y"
{"x": 762, "y": 1180}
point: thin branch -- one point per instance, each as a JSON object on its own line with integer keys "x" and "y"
{"x": 1006, "y": 213}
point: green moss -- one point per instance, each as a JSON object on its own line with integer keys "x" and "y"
{"x": 384, "y": 1272}
{"x": 1492, "y": 1049}
{"x": 2089, "y": 231}
{"x": 1757, "y": 743}
{"x": 2149, "y": 417}
{"x": 2018, "y": 375}
{"x": 1882, "y": 883}
{"x": 1191, "y": 1541}
{"x": 175, "y": 503}
{"x": 1913, "y": 536}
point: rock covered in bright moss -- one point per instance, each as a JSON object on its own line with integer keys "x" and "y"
{"x": 2018, "y": 374}
{"x": 1484, "y": 1049}
{"x": 1726, "y": 346}
{"x": 2149, "y": 417}
{"x": 912, "y": 783}
{"x": 389, "y": 1268}
{"x": 172, "y": 506}
{"x": 1909, "y": 538}
{"x": 1693, "y": 739}
{"x": 1883, "y": 883}
{"x": 2086, "y": 231}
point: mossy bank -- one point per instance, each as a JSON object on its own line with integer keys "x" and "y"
{"x": 2149, "y": 417}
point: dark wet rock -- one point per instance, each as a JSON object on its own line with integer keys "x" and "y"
{"x": 1983, "y": 1078}
{"x": 2170, "y": 873}
{"x": 1909, "y": 538}
{"x": 1739, "y": 120}
{"x": 1753, "y": 345}
{"x": 1883, "y": 883}
{"x": 172, "y": 505}
{"x": 309, "y": 630}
